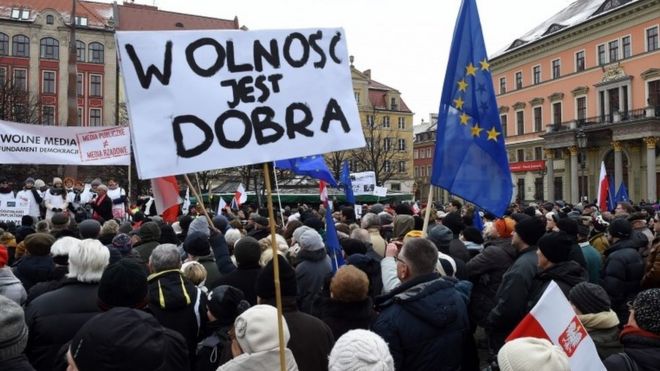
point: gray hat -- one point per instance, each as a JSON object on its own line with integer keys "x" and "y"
{"x": 29, "y": 180}
{"x": 376, "y": 208}
{"x": 89, "y": 228}
{"x": 589, "y": 298}
{"x": 13, "y": 330}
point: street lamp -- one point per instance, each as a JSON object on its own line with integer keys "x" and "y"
{"x": 581, "y": 139}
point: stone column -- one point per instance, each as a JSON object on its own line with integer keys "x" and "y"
{"x": 651, "y": 185}
{"x": 575, "y": 194}
{"x": 550, "y": 175}
{"x": 618, "y": 164}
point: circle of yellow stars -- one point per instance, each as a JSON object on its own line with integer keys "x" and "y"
{"x": 475, "y": 129}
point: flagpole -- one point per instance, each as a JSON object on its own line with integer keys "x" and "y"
{"x": 276, "y": 266}
{"x": 279, "y": 199}
{"x": 208, "y": 218}
{"x": 427, "y": 215}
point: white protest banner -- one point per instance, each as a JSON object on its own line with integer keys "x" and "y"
{"x": 13, "y": 211}
{"x": 380, "y": 191}
{"x": 363, "y": 183}
{"x": 53, "y": 145}
{"x": 104, "y": 144}
{"x": 201, "y": 100}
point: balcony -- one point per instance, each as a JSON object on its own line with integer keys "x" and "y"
{"x": 606, "y": 120}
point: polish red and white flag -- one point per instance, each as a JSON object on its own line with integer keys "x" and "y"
{"x": 166, "y": 197}
{"x": 554, "y": 319}
{"x": 240, "y": 196}
{"x": 603, "y": 188}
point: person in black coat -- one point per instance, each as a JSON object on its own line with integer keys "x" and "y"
{"x": 623, "y": 268}
{"x": 247, "y": 252}
{"x": 37, "y": 265}
{"x": 101, "y": 204}
{"x": 424, "y": 320}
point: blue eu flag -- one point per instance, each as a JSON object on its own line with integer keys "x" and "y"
{"x": 313, "y": 166}
{"x": 334, "y": 248}
{"x": 470, "y": 158}
{"x": 622, "y": 194}
{"x": 345, "y": 181}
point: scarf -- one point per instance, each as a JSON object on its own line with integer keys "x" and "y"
{"x": 97, "y": 202}
{"x": 599, "y": 321}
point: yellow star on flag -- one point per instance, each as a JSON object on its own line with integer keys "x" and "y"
{"x": 476, "y": 130}
{"x": 464, "y": 118}
{"x": 493, "y": 134}
{"x": 471, "y": 69}
{"x": 458, "y": 102}
{"x": 484, "y": 65}
{"x": 462, "y": 85}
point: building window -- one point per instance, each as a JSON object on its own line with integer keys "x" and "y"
{"x": 415, "y": 154}
{"x": 95, "y": 86}
{"x": 538, "y": 153}
{"x": 386, "y": 121}
{"x": 601, "y": 55}
{"x": 387, "y": 166}
{"x": 50, "y": 19}
{"x": 654, "y": 95}
{"x": 581, "y": 104}
{"x": 519, "y": 82}
{"x": 95, "y": 117}
{"x": 48, "y": 83}
{"x": 502, "y": 85}
{"x": 625, "y": 44}
{"x": 357, "y": 97}
{"x": 80, "y": 86}
{"x": 402, "y": 123}
{"x": 95, "y": 53}
{"x": 22, "y": 14}
{"x": 556, "y": 112}
{"x": 393, "y": 105}
{"x": 536, "y": 72}
{"x": 428, "y": 152}
{"x": 652, "y": 39}
{"x": 520, "y": 122}
{"x": 556, "y": 69}
{"x": 48, "y": 115}
{"x": 520, "y": 155}
{"x": 402, "y": 166}
{"x": 81, "y": 21}
{"x": 3, "y": 76}
{"x": 387, "y": 144}
{"x": 402, "y": 144}
{"x": 80, "y": 116}
{"x": 538, "y": 119}
{"x": 50, "y": 48}
{"x": 20, "y": 46}
{"x": 4, "y": 44}
{"x": 416, "y": 171}
{"x": 370, "y": 121}
{"x": 395, "y": 187}
{"x": 20, "y": 78}
{"x": 579, "y": 61}
{"x": 80, "y": 51}
{"x": 503, "y": 120}
{"x": 614, "y": 50}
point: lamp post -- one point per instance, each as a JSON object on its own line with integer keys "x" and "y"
{"x": 581, "y": 139}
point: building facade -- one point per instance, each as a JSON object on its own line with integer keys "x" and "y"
{"x": 387, "y": 123}
{"x": 582, "y": 89}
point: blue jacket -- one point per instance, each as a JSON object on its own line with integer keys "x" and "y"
{"x": 425, "y": 322}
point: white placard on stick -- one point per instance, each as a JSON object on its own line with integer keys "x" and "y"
{"x": 13, "y": 210}
{"x": 104, "y": 144}
{"x": 201, "y": 100}
{"x": 363, "y": 183}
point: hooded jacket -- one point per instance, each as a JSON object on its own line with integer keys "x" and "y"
{"x": 313, "y": 267}
{"x": 178, "y": 305}
{"x": 622, "y": 272}
{"x": 11, "y": 287}
{"x": 566, "y": 274}
{"x": 425, "y": 322}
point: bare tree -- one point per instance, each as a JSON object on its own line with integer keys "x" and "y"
{"x": 18, "y": 105}
{"x": 382, "y": 153}
{"x": 335, "y": 160}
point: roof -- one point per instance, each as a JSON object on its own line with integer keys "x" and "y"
{"x": 377, "y": 93}
{"x": 97, "y": 14}
{"x": 136, "y": 17}
{"x": 578, "y": 12}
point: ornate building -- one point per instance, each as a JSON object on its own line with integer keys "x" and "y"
{"x": 580, "y": 89}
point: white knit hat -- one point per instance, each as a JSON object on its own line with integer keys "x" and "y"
{"x": 528, "y": 353}
{"x": 256, "y": 329}
{"x": 360, "y": 350}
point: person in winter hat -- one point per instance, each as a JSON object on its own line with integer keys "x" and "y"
{"x": 360, "y": 350}
{"x": 37, "y": 265}
{"x": 525, "y": 354}
{"x": 225, "y": 304}
{"x": 32, "y": 196}
{"x": 255, "y": 341}
{"x": 129, "y": 340}
{"x": 198, "y": 248}
{"x": 13, "y": 336}
{"x": 123, "y": 284}
{"x": 55, "y": 199}
{"x": 148, "y": 236}
{"x": 10, "y": 286}
{"x": 313, "y": 268}
{"x": 640, "y": 336}
{"x": 592, "y": 305}
{"x": 60, "y": 254}
{"x": 247, "y": 252}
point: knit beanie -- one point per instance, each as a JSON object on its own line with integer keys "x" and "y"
{"x": 256, "y": 329}
{"x": 524, "y": 354}
{"x": 59, "y": 220}
{"x": 556, "y": 246}
{"x": 353, "y": 246}
{"x": 568, "y": 225}
{"x": 376, "y": 208}
{"x": 385, "y": 218}
{"x": 197, "y": 244}
{"x": 29, "y": 180}
{"x": 38, "y": 244}
{"x": 504, "y": 227}
{"x": 589, "y": 298}
{"x": 265, "y": 287}
{"x": 89, "y": 228}
{"x": 620, "y": 228}
{"x": 646, "y": 306}
{"x": 220, "y": 222}
{"x": 123, "y": 284}
{"x": 311, "y": 240}
{"x": 226, "y": 303}
{"x": 122, "y": 242}
{"x": 530, "y": 230}
{"x": 299, "y": 231}
{"x": 472, "y": 234}
{"x": 247, "y": 251}
{"x": 199, "y": 224}
{"x": 57, "y": 180}
{"x": 360, "y": 350}
{"x": 13, "y": 330}
{"x": 149, "y": 231}
{"x": 125, "y": 227}
{"x": 441, "y": 236}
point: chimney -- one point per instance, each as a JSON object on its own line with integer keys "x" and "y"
{"x": 368, "y": 73}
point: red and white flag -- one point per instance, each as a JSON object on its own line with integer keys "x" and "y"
{"x": 240, "y": 196}
{"x": 603, "y": 188}
{"x": 166, "y": 197}
{"x": 554, "y": 319}
{"x": 323, "y": 190}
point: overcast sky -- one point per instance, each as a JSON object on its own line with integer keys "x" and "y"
{"x": 404, "y": 43}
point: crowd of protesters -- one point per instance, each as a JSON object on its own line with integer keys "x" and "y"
{"x": 85, "y": 287}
